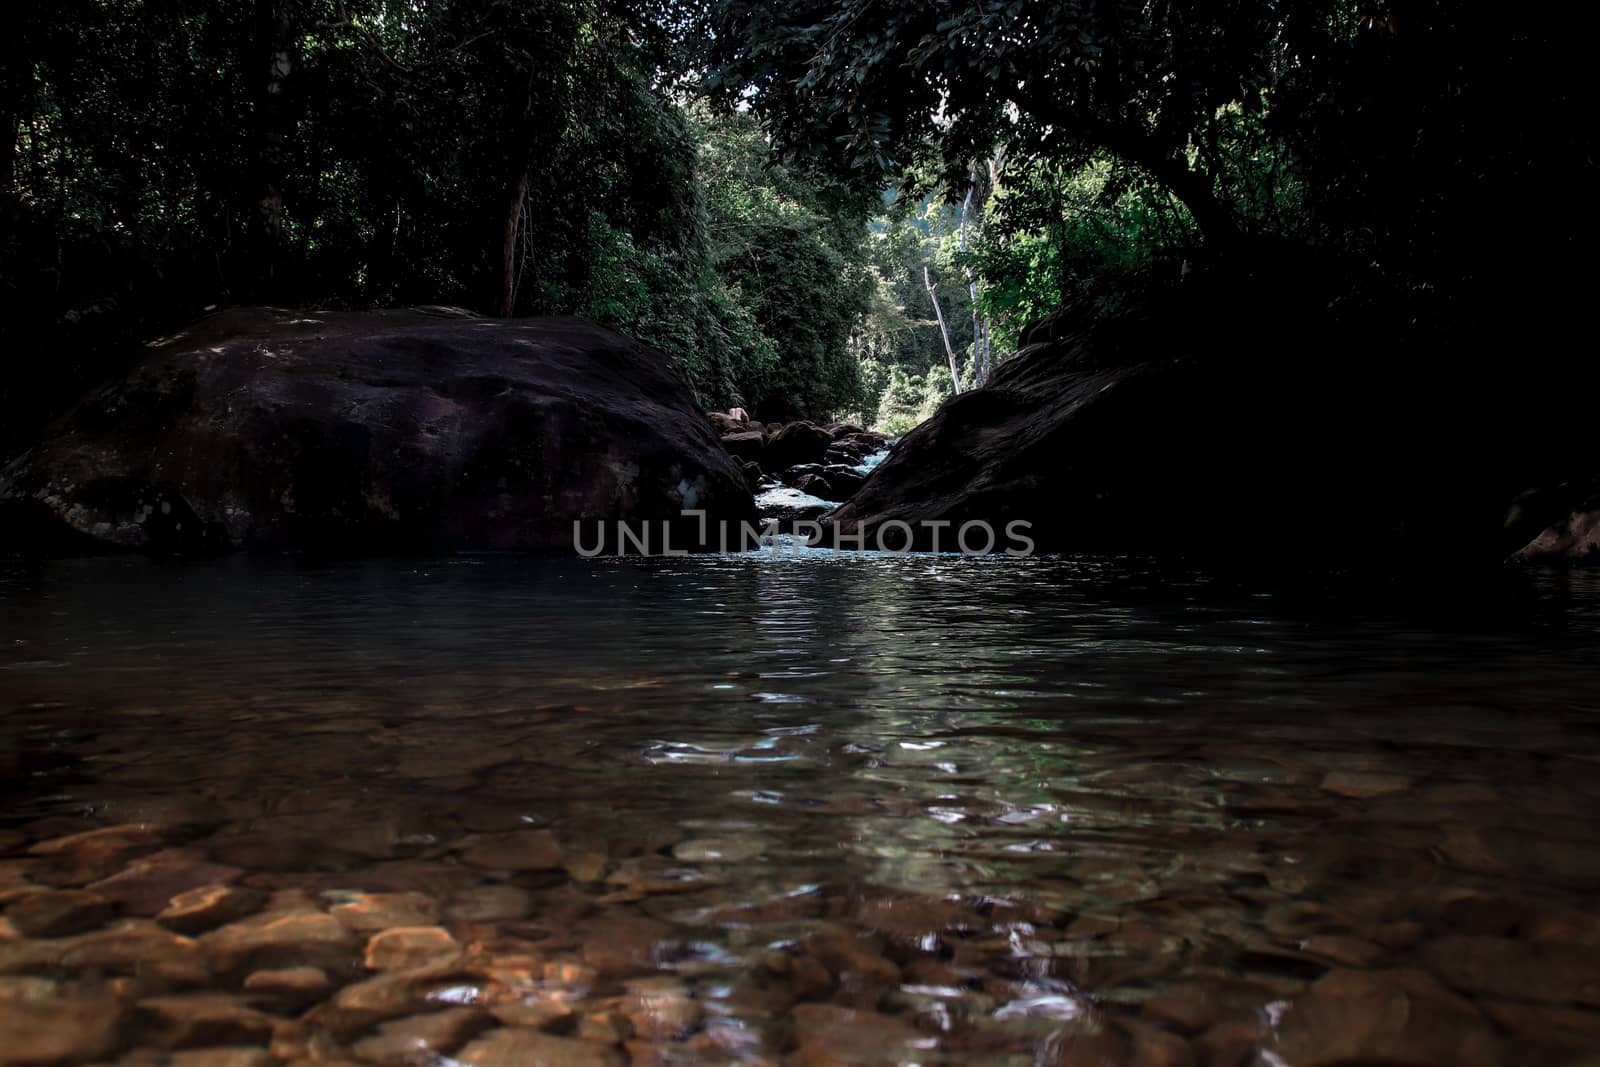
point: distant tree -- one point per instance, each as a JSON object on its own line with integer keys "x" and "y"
{"x": 949, "y": 81}
{"x": 793, "y": 244}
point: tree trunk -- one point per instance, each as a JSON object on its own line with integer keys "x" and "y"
{"x": 507, "y": 304}
{"x": 1194, "y": 188}
{"x": 980, "y": 335}
{"x": 950, "y": 353}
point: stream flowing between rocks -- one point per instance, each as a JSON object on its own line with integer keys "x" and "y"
{"x": 794, "y": 809}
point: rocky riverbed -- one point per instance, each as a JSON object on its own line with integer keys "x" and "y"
{"x": 800, "y": 471}
{"x": 142, "y": 943}
{"x": 1166, "y": 827}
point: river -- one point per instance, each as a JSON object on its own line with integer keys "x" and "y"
{"x": 795, "y": 808}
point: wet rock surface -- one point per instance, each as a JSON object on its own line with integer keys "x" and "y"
{"x": 1129, "y": 433}
{"x": 657, "y": 967}
{"x": 373, "y": 432}
{"x": 56, "y": 914}
{"x": 800, "y": 470}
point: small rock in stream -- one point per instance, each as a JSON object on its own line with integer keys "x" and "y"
{"x": 660, "y": 1009}
{"x": 1394, "y": 1016}
{"x": 128, "y": 947}
{"x": 521, "y": 850}
{"x": 58, "y": 913}
{"x": 622, "y": 945}
{"x": 198, "y": 910}
{"x": 391, "y": 994}
{"x": 148, "y": 885}
{"x": 369, "y": 912}
{"x": 828, "y": 1035}
{"x": 1516, "y": 970}
{"x": 407, "y": 947}
{"x": 280, "y": 939}
{"x": 490, "y": 904}
{"x": 220, "y": 1057}
{"x": 420, "y": 1040}
{"x": 1361, "y": 785}
{"x": 201, "y": 1019}
{"x": 39, "y": 1032}
{"x": 531, "y": 1048}
{"x": 93, "y": 854}
{"x": 720, "y": 849}
{"x": 299, "y": 984}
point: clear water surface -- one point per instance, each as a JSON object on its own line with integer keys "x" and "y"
{"x": 794, "y": 809}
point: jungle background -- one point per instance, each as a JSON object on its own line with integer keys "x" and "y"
{"x": 767, "y": 194}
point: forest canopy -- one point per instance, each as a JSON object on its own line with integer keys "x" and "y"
{"x": 775, "y": 195}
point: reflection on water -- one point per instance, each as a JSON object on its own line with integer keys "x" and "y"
{"x": 793, "y": 809}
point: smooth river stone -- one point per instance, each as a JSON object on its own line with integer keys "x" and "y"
{"x": 1346, "y": 951}
{"x": 58, "y": 913}
{"x": 148, "y": 885}
{"x": 128, "y": 947}
{"x": 660, "y": 1009}
{"x": 419, "y": 1040}
{"x": 368, "y": 912}
{"x": 522, "y": 850}
{"x": 202, "y": 1019}
{"x": 280, "y": 939}
{"x": 198, "y": 910}
{"x": 51, "y": 1031}
{"x": 1565, "y": 928}
{"x": 622, "y": 945}
{"x": 1574, "y": 1027}
{"x": 406, "y": 947}
{"x": 220, "y": 1057}
{"x": 1469, "y": 848}
{"x": 293, "y": 983}
{"x": 1360, "y": 785}
{"x": 93, "y": 854}
{"x": 720, "y": 849}
{"x": 535, "y": 1012}
{"x": 1151, "y": 1046}
{"x": 1399, "y": 1016}
{"x": 1516, "y": 970}
{"x": 851, "y": 958}
{"x": 490, "y": 904}
{"x": 1192, "y": 1006}
{"x": 531, "y": 1048}
{"x": 603, "y": 1028}
{"x": 391, "y": 994}
{"x": 1082, "y": 1042}
{"x": 587, "y": 866}
{"x": 828, "y": 1035}
{"x": 433, "y": 763}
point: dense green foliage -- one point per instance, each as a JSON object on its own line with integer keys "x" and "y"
{"x": 510, "y": 156}
{"x": 898, "y": 345}
{"x": 1401, "y": 133}
{"x": 789, "y": 247}
{"x": 553, "y": 156}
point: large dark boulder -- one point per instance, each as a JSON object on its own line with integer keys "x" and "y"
{"x": 724, "y": 424}
{"x": 747, "y": 446}
{"x": 375, "y": 432}
{"x": 843, "y": 481}
{"x": 1572, "y": 538}
{"x": 793, "y": 444}
{"x": 1269, "y": 408}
